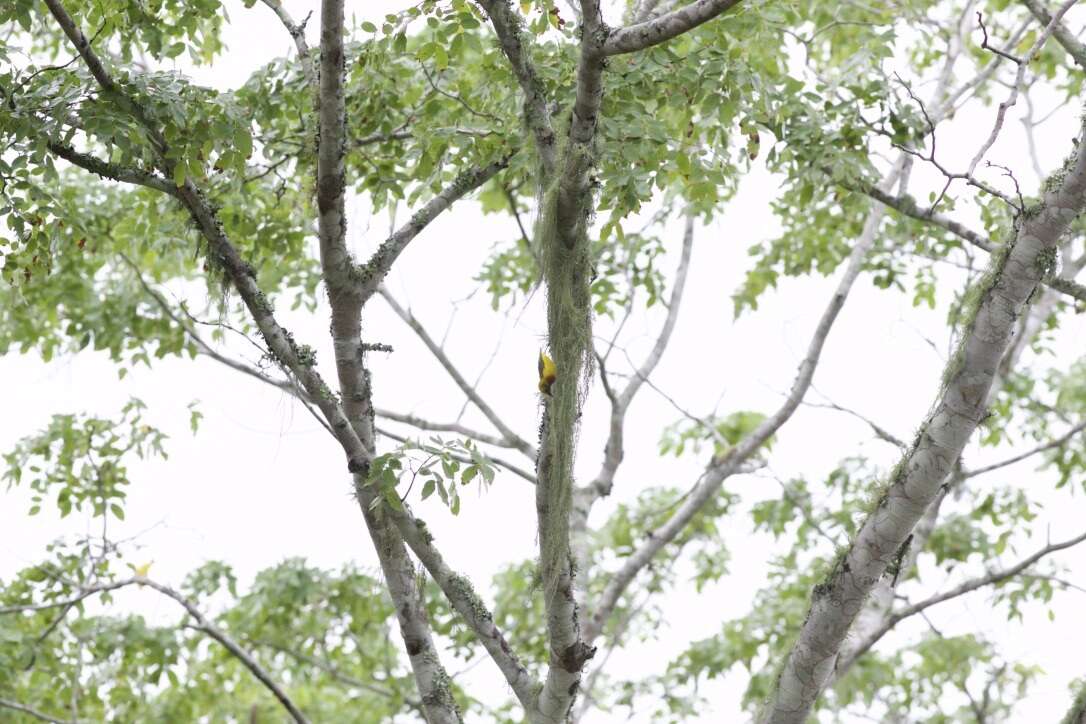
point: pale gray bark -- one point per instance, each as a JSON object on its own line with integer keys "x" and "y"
{"x": 733, "y": 460}
{"x": 403, "y": 586}
{"x": 346, "y": 299}
{"x": 515, "y": 46}
{"x": 969, "y": 586}
{"x": 879, "y": 606}
{"x": 915, "y": 483}
{"x": 463, "y": 598}
{"x": 1063, "y": 35}
{"x": 661, "y": 29}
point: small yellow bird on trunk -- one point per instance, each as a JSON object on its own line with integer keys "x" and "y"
{"x": 548, "y": 373}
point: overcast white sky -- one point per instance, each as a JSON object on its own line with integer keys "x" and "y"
{"x": 262, "y": 482}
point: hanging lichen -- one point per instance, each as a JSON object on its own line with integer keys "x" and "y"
{"x": 564, "y": 253}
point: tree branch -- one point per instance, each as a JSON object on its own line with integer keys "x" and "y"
{"x": 971, "y": 585}
{"x": 116, "y": 172}
{"x": 500, "y": 462}
{"x": 659, "y": 30}
{"x": 400, "y": 576}
{"x": 511, "y": 439}
{"x": 917, "y": 480}
{"x": 1019, "y": 80}
{"x": 297, "y": 33}
{"x": 1063, "y": 36}
{"x": 16, "y": 706}
{"x": 907, "y": 206}
{"x": 229, "y": 644}
{"x": 507, "y": 26}
{"x": 373, "y": 272}
{"x": 423, "y": 424}
{"x": 1061, "y": 440}
{"x": 202, "y": 624}
{"x": 733, "y": 459}
{"x": 462, "y": 597}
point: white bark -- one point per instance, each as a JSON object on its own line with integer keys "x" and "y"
{"x": 670, "y": 25}
{"x": 734, "y": 459}
{"x": 915, "y": 483}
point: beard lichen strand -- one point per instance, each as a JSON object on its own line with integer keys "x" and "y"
{"x": 566, "y": 273}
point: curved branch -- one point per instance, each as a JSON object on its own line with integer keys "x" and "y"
{"x": 1061, "y": 440}
{"x": 202, "y": 624}
{"x": 659, "y": 30}
{"x": 971, "y": 585}
{"x": 229, "y": 644}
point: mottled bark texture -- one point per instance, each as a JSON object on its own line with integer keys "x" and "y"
{"x": 998, "y": 300}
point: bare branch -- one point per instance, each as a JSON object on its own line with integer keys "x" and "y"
{"x": 459, "y": 429}
{"x": 613, "y": 450}
{"x": 1019, "y": 79}
{"x": 1064, "y": 37}
{"x": 880, "y": 432}
{"x": 659, "y": 30}
{"x": 297, "y": 33}
{"x": 1061, "y": 440}
{"x": 373, "y": 272}
{"x": 971, "y": 585}
{"x": 732, "y": 460}
{"x": 511, "y": 438}
{"x": 906, "y": 205}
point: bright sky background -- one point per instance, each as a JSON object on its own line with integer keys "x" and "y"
{"x": 262, "y": 482}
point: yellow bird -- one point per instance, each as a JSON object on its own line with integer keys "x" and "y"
{"x": 548, "y": 373}
{"x": 142, "y": 570}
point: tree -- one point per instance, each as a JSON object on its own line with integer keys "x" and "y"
{"x": 124, "y": 183}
